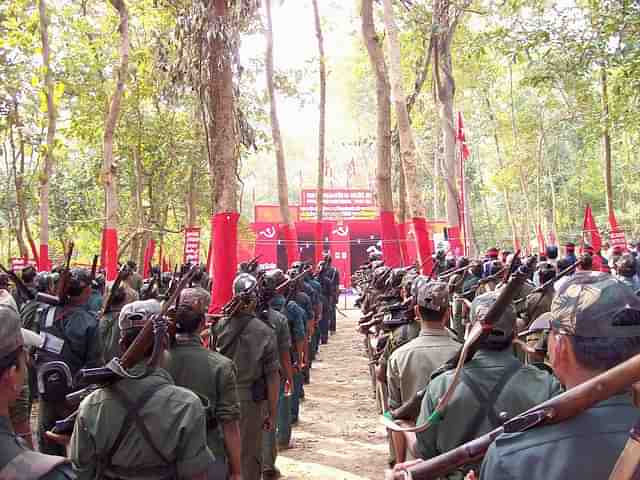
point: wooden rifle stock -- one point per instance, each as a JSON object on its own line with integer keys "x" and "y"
{"x": 563, "y": 407}
{"x": 108, "y": 302}
{"x": 17, "y": 281}
{"x": 65, "y": 277}
{"x": 134, "y": 354}
{"x": 563, "y": 273}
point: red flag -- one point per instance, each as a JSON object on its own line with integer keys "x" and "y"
{"x": 148, "y": 258}
{"x": 590, "y": 230}
{"x": 461, "y": 137}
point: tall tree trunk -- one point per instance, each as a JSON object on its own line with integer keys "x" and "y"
{"x": 191, "y": 200}
{"x": 437, "y": 170}
{"x": 409, "y": 157}
{"x": 323, "y": 111}
{"x": 383, "y": 138}
{"x": 138, "y": 244}
{"x": 283, "y": 186}
{"x": 109, "y": 169}
{"x": 606, "y": 141}
{"x": 444, "y": 26}
{"x": 224, "y": 150}
{"x": 18, "y": 184}
{"x": 47, "y": 166}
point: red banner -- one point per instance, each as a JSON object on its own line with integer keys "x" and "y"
{"x": 455, "y": 242}
{"x": 341, "y": 253}
{"x": 402, "y": 236}
{"x": 224, "y": 232}
{"x": 319, "y": 242}
{"x": 149, "y": 251}
{"x": 590, "y": 230}
{"x": 191, "y": 245}
{"x": 424, "y": 245}
{"x": 412, "y": 248}
{"x": 110, "y": 253}
{"x": 288, "y": 235}
{"x": 338, "y": 204}
{"x": 20, "y": 263}
{"x": 44, "y": 264}
{"x": 266, "y": 243}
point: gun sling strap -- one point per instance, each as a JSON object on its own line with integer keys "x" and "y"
{"x": 487, "y": 400}
{"x": 167, "y": 471}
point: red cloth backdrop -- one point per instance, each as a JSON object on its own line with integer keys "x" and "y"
{"x": 412, "y": 248}
{"x": 288, "y": 234}
{"x": 319, "y": 242}
{"x": 266, "y": 243}
{"x": 590, "y": 230}
{"x": 341, "y": 253}
{"x": 224, "y": 231}
{"x": 149, "y": 252}
{"x": 423, "y": 244}
{"x": 390, "y": 247}
{"x": 110, "y": 253}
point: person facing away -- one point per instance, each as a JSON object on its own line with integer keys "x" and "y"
{"x": 17, "y": 461}
{"x": 494, "y": 384}
{"x": 595, "y": 326}
{"x": 142, "y": 426}
{"x": 208, "y": 374}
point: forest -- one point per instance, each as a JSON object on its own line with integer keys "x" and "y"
{"x": 150, "y": 116}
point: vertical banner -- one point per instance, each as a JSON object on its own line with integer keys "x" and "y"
{"x": 455, "y": 242}
{"x": 319, "y": 243}
{"x": 390, "y": 247}
{"x": 149, "y": 251}
{"x": 341, "y": 253}
{"x": 402, "y": 237}
{"x": 412, "y": 247}
{"x": 191, "y": 245}
{"x": 110, "y": 253}
{"x": 616, "y": 237}
{"x": 590, "y": 233}
{"x": 266, "y": 243}
{"x": 423, "y": 244}
{"x": 463, "y": 155}
{"x": 288, "y": 235}
{"x": 224, "y": 231}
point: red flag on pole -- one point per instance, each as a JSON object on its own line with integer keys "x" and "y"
{"x": 590, "y": 230}
{"x": 464, "y": 154}
{"x": 616, "y": 237}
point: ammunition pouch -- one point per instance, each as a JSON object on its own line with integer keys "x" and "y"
{"x": 54, "y": 381}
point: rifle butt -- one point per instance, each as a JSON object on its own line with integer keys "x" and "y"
{"x": 471, "y": 452}
{"x": 65, "y": 426}
{"x": 411, "y": 408}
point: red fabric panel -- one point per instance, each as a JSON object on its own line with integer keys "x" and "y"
{"x": 412, "y": 249}
{"x": 455, "y": 242}
{"x": 341, "y": 253}
{"x": 319, "y": 243}
{"x": 590, "y": 229}
{"x": 224, "y": 231}
{"x": 44, "y": 265}
{"x": 110, "y": 251}
{"x": 423, "y": 244}
{"x": 616, "y": 237}
{"x": 390, "y": 247}
{"x": 266, "y": 243}
{"x": 402, "y": 236}
{"x": 288, "y": 234}
{"x": 149, "y": 251}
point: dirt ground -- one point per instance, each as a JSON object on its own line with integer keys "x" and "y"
{"x": 338, "y": 436}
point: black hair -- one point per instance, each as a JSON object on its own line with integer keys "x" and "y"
{"x": 28, "y": 274}
{"x": 603, "y": 353}
{"x": 129, "y": 335}
{"x": 586, "y": 262}
{"x": 429, "y": 315}
{"x": 9, "y": 361}
{"x": 494, "y": 343}
{"x": 187, "y": 319}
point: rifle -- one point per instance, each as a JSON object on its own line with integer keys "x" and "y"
{"x": 60, "y": 298}
{"x": 291, "y": 281}
{"x": 479, "y": 331}
{"x": 17, "y": 281}
{"x": 149, "y": 336}
{"x": 449, "y": 273}
{"x": 108, "y": 302}
{"x": 94, "y": 267}
{"x": 563, "y": 273}
{"x": 563, "y": 407}
{"x": 482, "y": 281}
{"x": 253, "y": 263}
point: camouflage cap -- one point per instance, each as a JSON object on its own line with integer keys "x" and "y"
{"x": 596, "y": 304}
{"x": 10, "y": 333}
{"x": 480, "y": 307}
{"x": 195, "y": 296}
{"x": 540, "y": 324}
{"x": 136, "y": 314}
{"x": 432, "y": 296}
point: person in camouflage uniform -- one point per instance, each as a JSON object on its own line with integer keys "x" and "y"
{"x": 252, "y": 346}
{"x": 211, "y": 375}
{"x": 109, "y": 328}
{"x": 627, "y": 272}
{"x": 141, "y": 426}
{"x": 17, "y": 461}
{"x": 594, "y": 327}
{"x": 493, "y": 382}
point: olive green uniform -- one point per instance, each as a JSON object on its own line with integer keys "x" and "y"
{"x": 251, "y": 344}
{"x": 466, "y": 416}
{"x": 110, "y": 335}
{"x": 411, "y": 365}
{"x": 211, "y": 375}
{"x": 539, "y": 303}
{"x": 174, "y": 417}
{"x": 586, "y": 446}
{"x": 17, "y": 461}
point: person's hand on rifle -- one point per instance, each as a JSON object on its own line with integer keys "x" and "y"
{"x": 63, "y": 440}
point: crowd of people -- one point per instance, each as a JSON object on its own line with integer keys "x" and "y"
{"x": 134, "y": 379}
{"x": 566, "y": 320}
